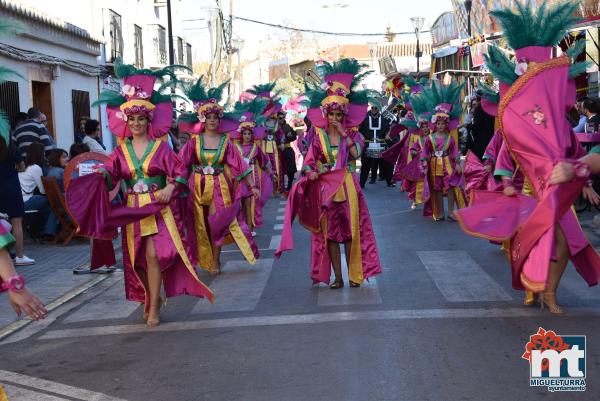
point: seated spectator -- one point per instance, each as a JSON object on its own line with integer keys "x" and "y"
{"x": 75, "y": 150}
{"x": 582, "y": 120}
{"x": 33, "y": 130}
{"x": 32, "y": 189}
{"x": 57, "y": 160}
{"x": 92, "y": 132}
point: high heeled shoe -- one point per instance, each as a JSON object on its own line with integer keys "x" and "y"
{"x": 153, "y": 322}
{"x": 337, "y": 285}
{"x": 531, "y": 298}
{"x": 553, "y": 307}
{"x": 354, "y": 285}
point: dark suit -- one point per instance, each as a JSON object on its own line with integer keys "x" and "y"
{"x": 374, "y": 130}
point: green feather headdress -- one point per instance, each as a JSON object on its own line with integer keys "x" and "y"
{"x": 437, "y": 94}
{"x": 315, "y": 94}
{"x": 255, "y": 106}
{"x": 545, "y": 27}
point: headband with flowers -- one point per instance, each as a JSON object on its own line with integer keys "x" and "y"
{"x": 138, "y": 97}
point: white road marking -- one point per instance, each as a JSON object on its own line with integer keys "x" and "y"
{"x": 275, "y": 240}
{"x": 238, "y": 287}
{"x": 572, "y": 281}
{"x": 281, "y": 210}
{"x": 15, "y": 393}
{"x": 459, "y": 278}
{"x": 52, "y": 387}
{"x": 314, "y": 318}
{"x": 109, "y": 305}
{"x": 279, "y": 217}
{"x": 278, "y": 227}
{"x": 366, "y": 294}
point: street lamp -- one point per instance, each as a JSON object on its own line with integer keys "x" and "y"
{"x": 417, "y": 23}
{"x": 372, "y": 50}
{"x": 335, "y": 6}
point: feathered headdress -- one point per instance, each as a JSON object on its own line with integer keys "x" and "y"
{"x": 206, "y": 101}
{"x": 442, "y": 101}
{"x": 533, "y": 35}
{"x": 265, "y": 91}
{"x": 7, "y": 27}
{"x": 339, "y": 91}
{"x": 137, "y": 96}
{"x": 251, "y": 117}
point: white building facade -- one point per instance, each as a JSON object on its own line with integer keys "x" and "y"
{"x": 67, "y": 53}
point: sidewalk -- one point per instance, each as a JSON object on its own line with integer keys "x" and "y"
{"x": 51, "y": 278}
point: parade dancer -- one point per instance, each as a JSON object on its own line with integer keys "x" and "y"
{"x": 543, "y": 229}
{"x": 247, "y": 139}
{"x": 216, "y": 163}
{"x": 272, "y": 143}
{"x": 154, "y": 249}
{"x": 328, "y": 199}
{"x": 440, "y": 156}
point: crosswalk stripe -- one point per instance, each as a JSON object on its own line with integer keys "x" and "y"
{"x": 51, "y": 387}
{"x": 366, "y": 294}
{"x": 278, "y": 227}
{"x": 459, "y": 278}
{"x": 279, "y": 217}
{"x": 19, "y": 393}
{"x": 275, "y": 240}
{"x": 109, "y": 305}
{"x": 281, "y": 210}
{"x": 238, "y": 288}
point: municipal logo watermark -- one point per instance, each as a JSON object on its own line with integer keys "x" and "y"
{"x": 556, "y": 361}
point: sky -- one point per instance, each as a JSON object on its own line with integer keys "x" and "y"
{"x": 361, "y": 16}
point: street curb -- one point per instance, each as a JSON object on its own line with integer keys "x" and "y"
{"x": 19, "y": 324}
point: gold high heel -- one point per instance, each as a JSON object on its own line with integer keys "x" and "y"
{"x": 553, "y": 307}
{"x": 156, "y": 321}
{"x": 530, "y": 298}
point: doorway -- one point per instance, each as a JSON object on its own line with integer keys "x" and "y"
{"x": 42, "y": 99}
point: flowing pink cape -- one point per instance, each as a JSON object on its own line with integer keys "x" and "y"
{"x": 535, "y": 130}
{"x": 476, "y": 177}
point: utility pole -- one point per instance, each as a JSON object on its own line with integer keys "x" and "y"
{"x": 229, "y": 51}
{"x": 170, "y": 33}
{"x": 218, "y": 41}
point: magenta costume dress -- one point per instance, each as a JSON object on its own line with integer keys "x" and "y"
{"x": 261, "y": 172}
{"x": 341, "y": 216}
{"x": 214, "y": 202}
{"x": 534, "y": 130}
{"x": 141, "y": 216}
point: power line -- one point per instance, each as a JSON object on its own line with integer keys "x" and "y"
{"x": 323, "y": 32}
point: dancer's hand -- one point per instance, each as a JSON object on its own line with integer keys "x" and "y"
{"x": 591, "y": 195}
{"x": 509, "y": 190}
{"x": 488, "y": 168}
{"x": 164, "y": 195}
{"x": 313, "y": 176}
{"x": 336, "y": 125}
{"x": 562, "y": 172}
{"x": 256, "y": 193}
{"x": 25, "y": 301}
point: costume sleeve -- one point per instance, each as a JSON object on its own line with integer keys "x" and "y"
{"x": 311, "y": 158}
{"x": 111, "y": 170}
{"x": 263, "y": 161}
{"x": 505, "y": 166}
{"x": 575, "y": 151}
{"x": 491, "y": 151}
{"x": 233, "y": 158}
{"x": 427, "y": 150}
{"x": 453, "y": 150}
{"x": 359, "y": 141}
{"x": 187, "y": 154}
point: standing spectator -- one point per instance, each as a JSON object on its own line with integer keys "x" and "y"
{"x": 80, "y": 134}
{"x": 481, "y": 129}
{"x": 374, "y": 129}
{"x": 33, "y": 130}
{"x": 32, "y": 189}
{"x": 92, "y": 131}
{"x": 57, "y": 160}
{"x": 590, "y": 110}
{"x": 579, "y": 126}
{"x": 11, "y": 201}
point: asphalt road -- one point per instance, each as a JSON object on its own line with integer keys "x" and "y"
{"x": 441, "y": 323}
